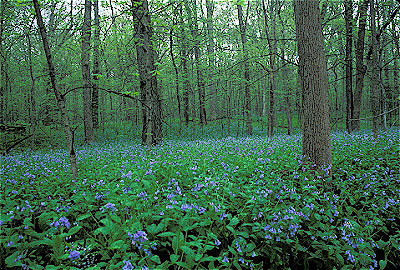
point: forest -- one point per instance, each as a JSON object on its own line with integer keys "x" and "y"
{"x": 199, "y": 134}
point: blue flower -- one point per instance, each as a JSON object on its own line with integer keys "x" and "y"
{"x": 225, "y": 259}
{"x": 128, "y": 266}
{"x": 217, "y": 242}
{"x": 74, "y": 255}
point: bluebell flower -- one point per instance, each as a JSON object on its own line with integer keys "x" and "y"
{"x": 128, "y": 266}
{"x": 74, "y": 255}
{"x": 217, "y": 242}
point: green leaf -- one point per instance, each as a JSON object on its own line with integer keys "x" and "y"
{"x": 234, "y": 221}
{"x": 82, "y": 217}
{"x": 117, "y": 244}
{"x": 173, "y": 258}
{"x": 190, "y": 252}
{"x": 166, "y": 234}
{"x": 382, "y": 264}
{"x": 156, "y": 259}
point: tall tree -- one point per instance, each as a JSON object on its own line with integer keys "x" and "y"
{"x": 96, "y": 64}
{"x": 374, "y": 67}
{"x": 3, "y": 65}
{"x": 193, "y": 24}
{"x": 361, "y": 68}
{"x": 313, "y": 78}
{"x": 247, "y": 99}
{"x": 211, "y": 60}
{"x": 348, "y": 17}
{"x": 184, "y": 53}
{"x": 58, "y": 95}
{"x": 149, "y": 90}
{"x": 85, "y": 66}
{"x": 271, "y": 38}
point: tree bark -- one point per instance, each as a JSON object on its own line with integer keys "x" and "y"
{"x": 348, "y": 17}
{"x": 185, "y": 69}
{"x": 59, "y": 97}
{"x": 172, "y": 54}
{"x": 3, "y": 67}
{"x": 96, "y": 64}
{"x": 247, "y": 107}
{"x": 360, "y": 66}
{"x": 271, "y": 38}
{"x": 85, "y": 66}
{"x": 313, "y": 78}
{"x": 214, "y": 101}
{"x": 197, "y": 56}
{"x": 149, "y": 90}
{"x": 393, "y": 101}
{"x": 374, "y": 67}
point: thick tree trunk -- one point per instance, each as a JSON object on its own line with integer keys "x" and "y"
{"x": 59, "y": 97}
{"x": 85, "y": 66}
{"x": 348, "y": 17}
{"x": 212, "y": 89}
{"x": 313, "y": 78}
{"x": 149, "y": 90}
{"x": 96, "y": 64}
{"x": 374, "y": 67}
{"x": 247, "y": 99}
{"x": 360, "y": 66}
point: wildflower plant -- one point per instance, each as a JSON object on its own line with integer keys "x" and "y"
{"x": 230, "y": 203}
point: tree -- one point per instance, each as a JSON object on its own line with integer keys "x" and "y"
{"x": 348, "y": 17}
{"x": 313, "y": 78}
{"x": 85, "y": 66}
{"x": 211, "y": 60}
{"x": 59, "y": 97}
{"x": 96, "y": 64}
{"x": 247, "y": 100}
{"x": 361, "y": 68}
{"x": 149, "y": 91}
{"x": 271, "y": 38}
{"x": 375, "y": 72}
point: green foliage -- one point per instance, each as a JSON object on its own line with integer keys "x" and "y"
{"x": 209, "y": 204}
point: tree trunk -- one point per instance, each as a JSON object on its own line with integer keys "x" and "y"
{"x": 85, "y": 66}
{"x": 360, "y": 66}
{"x": 271, "y": 38}
{"x": 149, "y": 90}
{"x": 96, "y": 64}
{"x": 172, "y": 54}
{"x": 247, "y": 107}
{"x": 3, "y": 67}
{"x": 185, "y": 73}
{"x": 393, "y": 101}
{"x": 197, "y": 55}
{"x": 59, "y": 97}
{"x": 313, "y": 78}
{"x": 348, "y": 17}
{"x": 374, "y": 65}
{"x": 211, "y": 61}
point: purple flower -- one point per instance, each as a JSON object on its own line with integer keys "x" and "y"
{"x": 128, "y": 266}
{"x": 139, "y": 236}
{"x": 222, "y": 216}
{"x": 63, "y": 221}
{"x": 74, "y": 255}
{"x": 110, "y": 206}
{"x": 10, "y": 244}
{"x": 225, "y": 259}
{"x": 217, "y": 242}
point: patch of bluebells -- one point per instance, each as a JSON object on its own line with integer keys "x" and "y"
{"x": 63, "y": 221}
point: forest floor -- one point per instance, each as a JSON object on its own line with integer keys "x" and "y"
{"x": 231, "y": 203}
